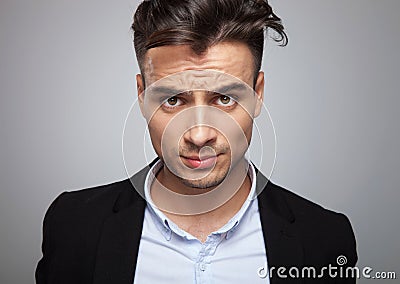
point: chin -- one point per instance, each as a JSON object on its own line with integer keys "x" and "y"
{"x": 210, "y": 181}
{"x": 202, "y": 183}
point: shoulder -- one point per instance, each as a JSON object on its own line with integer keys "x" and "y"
{"x": 103, "y": 195}
{"x": 72, "y": 228}
{"x": 93, "y": 204}
{"x": 306, "y": 211}
{"x": 320, "y": 230}
{"x": 73, "y": 209}
{"x": 79, "y": 215}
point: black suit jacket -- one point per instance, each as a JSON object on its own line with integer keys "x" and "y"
{"x": 93, "y": 235}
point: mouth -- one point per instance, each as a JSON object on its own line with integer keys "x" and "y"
{"x": 195, "y": 162}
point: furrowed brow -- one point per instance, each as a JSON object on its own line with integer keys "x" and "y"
{"x": 231, "y": 87}
{"x": 167, "y": 91}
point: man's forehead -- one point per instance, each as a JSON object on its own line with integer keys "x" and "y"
{"x": 230, "y": 58}
{"x": 191, "y": 80}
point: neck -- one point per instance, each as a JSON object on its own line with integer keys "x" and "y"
{"x": 203, "y": 213}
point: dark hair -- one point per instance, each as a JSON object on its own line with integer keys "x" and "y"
{"x": 203, "y": 23}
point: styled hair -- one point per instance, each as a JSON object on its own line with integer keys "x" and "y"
{"x": 204, "y": 23}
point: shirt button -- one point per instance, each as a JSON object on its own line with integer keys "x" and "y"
{"x": 202, "y": 267}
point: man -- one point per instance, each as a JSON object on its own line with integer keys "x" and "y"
{"x": 201, "y": 212}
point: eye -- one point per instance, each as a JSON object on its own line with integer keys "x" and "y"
{"x": 225, "y": 101}
{"x": 172, "y": 102}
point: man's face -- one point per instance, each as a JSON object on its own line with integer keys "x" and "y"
{"x": 197, "y": 125}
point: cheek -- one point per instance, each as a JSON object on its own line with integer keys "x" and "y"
{"x": 248, "y": 130}
{"x": 156, "y": 129}
{"x": 246, "y": 125}
{"x": 162, "y": 131}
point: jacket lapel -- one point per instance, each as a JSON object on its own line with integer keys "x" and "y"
{"x": 283, "y": 247}
{"x": 120, "y": 237}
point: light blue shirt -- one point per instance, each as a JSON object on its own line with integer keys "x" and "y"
{"x": 232, "y": 254}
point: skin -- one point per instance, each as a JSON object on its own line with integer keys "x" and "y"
{"x": 233, "y": 58}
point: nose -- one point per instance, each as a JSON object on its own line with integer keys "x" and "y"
{"x": 200, "y": 135}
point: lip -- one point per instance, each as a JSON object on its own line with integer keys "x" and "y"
{"x": 195, "y": 162}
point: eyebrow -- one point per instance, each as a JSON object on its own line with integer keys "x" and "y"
{"x": 166, "y": 90}
{"x": 170, "y": 91}
{"x": 232, "y": 87}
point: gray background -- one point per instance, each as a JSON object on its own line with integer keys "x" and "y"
{"x": 67, "y": 82}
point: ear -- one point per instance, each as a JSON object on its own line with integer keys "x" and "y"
{"x": 140, "y": 91}
{"x": 259, "y": 92}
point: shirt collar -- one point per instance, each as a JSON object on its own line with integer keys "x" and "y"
{"x": 166, "y": 226}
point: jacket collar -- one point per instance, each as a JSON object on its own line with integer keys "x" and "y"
{"x": 121, "y": 233}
